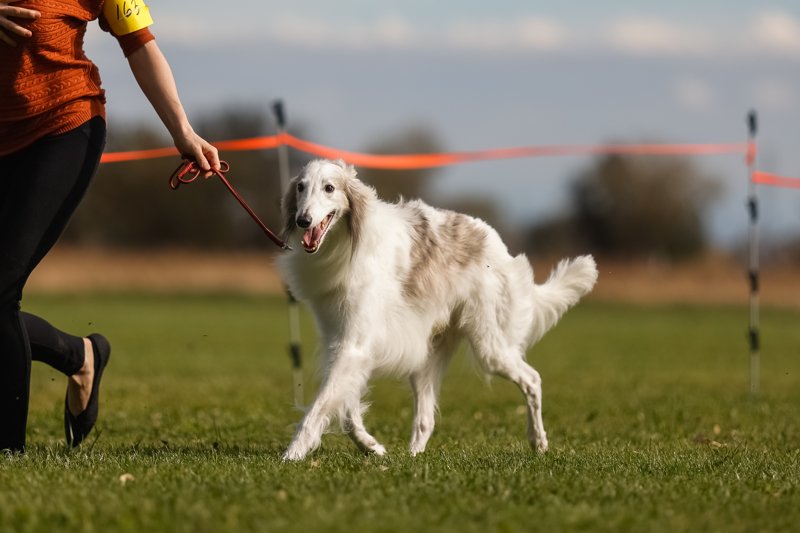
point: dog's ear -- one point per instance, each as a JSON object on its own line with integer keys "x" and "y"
{"x": 289, "y": 206}
{"x": 359, "y": 196}
{"x": 349, "y": 170}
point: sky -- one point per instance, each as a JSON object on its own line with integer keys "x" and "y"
{"x": 498, "y": 74}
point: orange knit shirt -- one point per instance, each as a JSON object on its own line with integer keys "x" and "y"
{"x": 47, "y": 84}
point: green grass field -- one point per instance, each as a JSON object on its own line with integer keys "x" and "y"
{"x": 650, "y": 422}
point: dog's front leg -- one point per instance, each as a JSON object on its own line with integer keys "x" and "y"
{"x": 345, "y": 378}
{"x": 308, "y": 434}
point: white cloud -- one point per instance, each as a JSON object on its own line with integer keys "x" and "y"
{"x": 694, "y": 94}
{"x": 394, "y": 31}
{"x": 652, "y": 36}
{"x": 530, "y": 33}
{"x": 771, "y": 32}
{"x": 388, "y": 31}
{"x": 306, "y": 31}
{"x": 541, "y": 33}
{"x": 776, "y": 31}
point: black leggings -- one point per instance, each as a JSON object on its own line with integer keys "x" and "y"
{"x": 40, "y": 187}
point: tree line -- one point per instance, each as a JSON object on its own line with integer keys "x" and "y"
{"x": 629, "y": 206}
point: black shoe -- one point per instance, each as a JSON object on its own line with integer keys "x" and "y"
{"x": 77, "y": 428}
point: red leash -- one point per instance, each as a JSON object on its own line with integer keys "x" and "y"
{"x": 188, "y": 171}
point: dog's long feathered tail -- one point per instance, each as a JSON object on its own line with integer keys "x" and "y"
{"x": 568, "y": 282}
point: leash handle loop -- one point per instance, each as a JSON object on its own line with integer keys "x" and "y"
{"x": 188, "y": 171}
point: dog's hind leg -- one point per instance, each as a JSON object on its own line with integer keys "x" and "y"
{"x": 426, "y": 383}
{"x": 499, "y": 359}
{"x": 530, "y": 383}
{"x": 354, "y": 426}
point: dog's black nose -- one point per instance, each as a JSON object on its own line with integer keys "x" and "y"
{"x": 304, "y": 221}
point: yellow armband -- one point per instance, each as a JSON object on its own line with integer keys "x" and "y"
{"x": 126, "y": 16}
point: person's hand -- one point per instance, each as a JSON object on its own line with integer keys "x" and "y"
{"x": 9, "y": 27}
{"x": 195, "y": 147}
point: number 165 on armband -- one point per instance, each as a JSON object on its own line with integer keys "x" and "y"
{"x": 126, "y": 16}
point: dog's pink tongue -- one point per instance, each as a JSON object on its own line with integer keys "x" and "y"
{"x": 311, "y": 237}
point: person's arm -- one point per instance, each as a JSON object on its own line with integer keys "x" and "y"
{"x": 152, "y": 72}
{"x": 7, "y": 26}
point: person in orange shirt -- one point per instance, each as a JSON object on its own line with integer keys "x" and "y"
{"x": 52, "y": 134}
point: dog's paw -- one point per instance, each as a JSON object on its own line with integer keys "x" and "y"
{"x": 416, "y": 450}
{"x": 378, "y": 449}
{"x": 292, "y": 455}
{"x": 542, "y": 446}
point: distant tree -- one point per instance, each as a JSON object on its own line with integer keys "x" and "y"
{"x": 634, "y": 206}
{"x": 411, "y": 184}
{"x": 130, "y": 205}
{"x": 391, "y": 184}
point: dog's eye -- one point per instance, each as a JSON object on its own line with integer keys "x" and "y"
{"x": 301, "y": 187}
{"x": 329, "y": 188}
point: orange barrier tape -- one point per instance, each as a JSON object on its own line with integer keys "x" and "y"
{"x": 416, "y": 161}
{"x": 253, "y": 143}
{"x": 136, "y": 155}
{"x": 765, "y": 178}
{"x": 419, "y": 161}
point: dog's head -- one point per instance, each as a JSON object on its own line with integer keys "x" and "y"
{"x": 323, "y": 194}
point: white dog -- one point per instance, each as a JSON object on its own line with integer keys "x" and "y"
{"x": 395, "y": 287}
